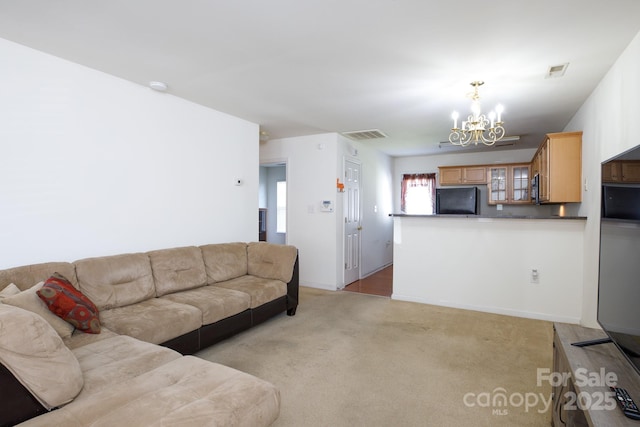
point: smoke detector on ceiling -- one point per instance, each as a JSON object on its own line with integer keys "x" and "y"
{"x": 159, "y": 86}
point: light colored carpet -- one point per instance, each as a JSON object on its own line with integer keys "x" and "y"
{"x": 348, "y": 359}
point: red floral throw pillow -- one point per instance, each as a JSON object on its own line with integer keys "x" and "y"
{"x": 70, "y": 304}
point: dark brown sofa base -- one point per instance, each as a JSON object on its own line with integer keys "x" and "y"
{"x": 207, "y": 335}
{"x": 293, "y": 290}
{"x": 268, "y": 310}
{"x": 216, "y": 332}
{"x": 188, "y": 343}
{"x": 18, "y": 404}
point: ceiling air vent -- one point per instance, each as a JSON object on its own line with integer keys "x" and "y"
{"x": 557, "y": 70}
{"x": 360, "y": 135}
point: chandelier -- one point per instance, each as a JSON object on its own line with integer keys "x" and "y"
{"x": 478, "y": 127}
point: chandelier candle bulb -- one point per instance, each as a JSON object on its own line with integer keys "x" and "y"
{"x": 454, "y": 116}
{"x": 499, "y": 109}
{"x": 475, "y": 109}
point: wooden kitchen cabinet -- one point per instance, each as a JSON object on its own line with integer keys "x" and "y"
{"x": 627, "y": 171}
{"x": 535, "y": 166}
{"x": 630, "y": 171}
{"x": 559, "y": 165}
{"x": 462, "y": 175}
{"x": 611, "y": 172}
{"x": 509, "y": 184}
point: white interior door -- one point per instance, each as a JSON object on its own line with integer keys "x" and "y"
{"x": 352, "y": 222}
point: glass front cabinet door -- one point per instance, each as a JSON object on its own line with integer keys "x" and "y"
{"x": 509, "y": 184}
{"x": 498, "y": 185}
{"x": 520, "y": 184}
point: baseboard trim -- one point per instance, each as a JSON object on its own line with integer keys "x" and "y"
{"x": 324, "y": 286}
{"x": 494, "y": 310}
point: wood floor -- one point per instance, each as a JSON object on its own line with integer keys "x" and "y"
{"x": 380, "y": 283}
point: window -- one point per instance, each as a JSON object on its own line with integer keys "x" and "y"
{"x": 281, "y": 207}
{"x": 418, "y": 194}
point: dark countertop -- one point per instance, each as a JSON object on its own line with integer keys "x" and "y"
{"x": 490, "y": 217}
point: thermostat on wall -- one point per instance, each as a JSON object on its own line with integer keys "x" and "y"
{"x": 327, "y": 206}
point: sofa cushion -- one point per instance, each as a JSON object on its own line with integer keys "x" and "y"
{"x": 183, "y": 392}
{"x": 224, "y": 261}
{"x": 261, "y": 290}
{"x": 80, "y": 339}
{"x": 70, "y": 304}
{"x": 177, "y": 269}
{"x": 30, "y": 301}
{"x": 214, "y": 302}
{"x": 9, "y": 290}
{"x": 25, "y": 276}
{"x": 154, "y": 320}
{"x": 116, "y": 280}
{"x": 116, "y": 359}
{"x": 271, "y": 261}
{"x": 35, "y": 354}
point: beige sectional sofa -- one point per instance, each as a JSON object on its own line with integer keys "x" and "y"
{"x": 155, "y": 309}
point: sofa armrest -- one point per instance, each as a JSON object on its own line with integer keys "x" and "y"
{"x": 17, "y": 404}
{"x": 293, "y": 288}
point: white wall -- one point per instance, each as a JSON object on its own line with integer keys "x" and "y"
{"x": 485, "y": 264}
{"x": 608, "y": 120}
{"x": 311, "y": 177}
{"x": 94, "y": 165}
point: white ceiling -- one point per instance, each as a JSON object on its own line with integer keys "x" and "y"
{"x": 300, "y": 67}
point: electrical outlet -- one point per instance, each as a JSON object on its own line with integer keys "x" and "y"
{"x": 535, "y": 276}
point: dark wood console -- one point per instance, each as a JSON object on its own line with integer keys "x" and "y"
{"x": 580, "y": 400}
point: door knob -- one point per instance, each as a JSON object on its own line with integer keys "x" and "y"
{"x": 359, "y": 227}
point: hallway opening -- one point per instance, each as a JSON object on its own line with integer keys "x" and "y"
{"x": 379, "y": 283}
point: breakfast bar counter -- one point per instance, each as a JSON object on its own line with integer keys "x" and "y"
{"x": 489, "y": 216}
{"x": 523, "y": 266}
